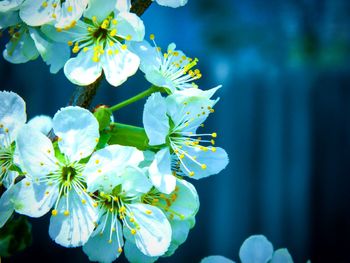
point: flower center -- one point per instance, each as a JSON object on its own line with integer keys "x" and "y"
{"x": 68, "y": 173}
{"x": 6, "y": 160}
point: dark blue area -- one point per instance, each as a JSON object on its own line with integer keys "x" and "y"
{"x": 283, "y": 117}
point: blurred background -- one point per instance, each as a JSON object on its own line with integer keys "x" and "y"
{"x": 283, "y": 117}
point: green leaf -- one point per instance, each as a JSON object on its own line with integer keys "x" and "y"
{"x": 15, "y": 236}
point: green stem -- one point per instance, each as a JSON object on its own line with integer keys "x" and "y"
{"x": 137, "y": 97}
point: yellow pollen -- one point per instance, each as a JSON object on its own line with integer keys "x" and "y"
{"x": 70, "y": 8}
{"x": 105, "y": 24}
{"x": 192, "y": 173}
{"x": 213, "y": 149}
{"x": 204, "y": 166}
{"x": 212, "y": 142}
{"x": 110, "y": 52}
{"x": 182, "y": 156}
{"x": 151, "y": 37}
{"x": 110, "y": 241}
{"x": 94, "y": 19}
{"x": 76, "y": 49}
{"x": 124, "y": 47}
{"x": 85, "y": 49}
{"x": 44, "y": 4}
{"x": 132, "y": 220}
{"x": 54, "y": 212}
{"x": 27, "y": 183}
{"x": 214, "y": 135}
{"x": 95, "y": 205}
{"x": 120, "y": 250}
{"x": 128, "y": 37}
{"x": 99, "y": 170}
{"x": 47, "y": 192}
{"x": 54, "y": 5}
{"x": 97, "y": 161}
{"x": 114, "y": 22}
{"x": 54, "y": 16}
{"x": 133, "y": 231}
{"x": 6, "y": 130}
{"x": 148, "y": 212}
{"x": 115, "y": 199}
{"x": 83, "y": 201}
{"x": 113, "y": 32}
{"x": 66, "y": 213}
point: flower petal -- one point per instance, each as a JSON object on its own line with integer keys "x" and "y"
{"x": 281, "y": 256}
{"x": 123, "y": 5}
{"x": 134, "y": 182}
{"x": 82, "y": 70}
{"x": 131, "y": 25}
{"x": 118, "y": 64}
{"x": 12, "y": 114}
{"x": 41, "y": 123}
{"x": 74, "y": 228}
{"x": 77, "y": 129}
{"x": 36, "y": 153}
{"x": 54, "y": 54}
{"x": 34, "y": 13}
{"x": 32, "y": 199}
{"x": 153, "y": 234}
{"x": 104, "y": 244}
{"x": 104, "y": 166}
{"x": 6, "y": 205}
{"x": 10, "y": 5}
{"x": 155, "y": 120}
{"x": 256, "y": 249}
{"x": 133, "y": 254}
{"x": 215, "y": 160}
{"x": 216, "y": 259}
{"x": 69, "y": 11}
{"x": 9, "y": 19}
{"x": 150, "y": 59}
{"x": 160, "y": 172}
{"x": 101, "y": 12}
{"x": 172, "y": 3}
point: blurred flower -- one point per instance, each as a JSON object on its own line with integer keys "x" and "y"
{"x": 172, "y": 70}
{"x": 171, "y": 3}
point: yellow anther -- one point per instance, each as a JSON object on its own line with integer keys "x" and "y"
{"x": 128, "y": 37}
{"x": 83, "y": 201}
{"x": 132, "y": 220}
{"x": 182, "y": 156}
{"x": 122, "y": 209}
{"x": 44, "y": 4}
{"x": 115, "y": 199}
{"x": 75, "y": 49}
{"x": 120, "y": 250}
{"x": 204, "y": 166}
{"x": 97, "y": 161}
{"x": 41, "y": 164}
{"x": 70, "y": 8}
{"x": 148, "y": 212}
{"x": 110, "y": 52}
{"x": 66, "y": 213}
{"x": 110, "y": 241}
{"x": 151, "y": 37}
{"x": 214, "y": 135}
{"x": 97, "y": 139}
{"x": 54, "y": 5}
{"x": 113, "y": 32}
{"x": 213, "y": 149}
{"x": 47, "y": 192}
{"x": 49, "y": 151}
{"x": 133, "y": 231}
{"x": 105, "y": 24}
{"x": 27, "y": 183}
{"x": 94, "y": 19}
{"x": 114, "y": 22}
{"x": 99, "y": 171}
{"x": 54, "y": 16}
{"x": 6, "y": 130}
{"x": 124, "y": 47}
{"x": 212, "y": 142}
{"x": 54, "y": 212}
{"x": 85, "y": 49}
{"x": 191, "y": 173}
{"x": 94, "y": 204}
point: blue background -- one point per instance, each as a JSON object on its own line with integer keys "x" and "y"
{"x": 283, "y": 118}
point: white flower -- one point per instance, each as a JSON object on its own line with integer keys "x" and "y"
{"x": 99, "y": 41}
{"x": 55, "y": 179}
{"x": 172, "y": 70}
{"x": 27, "y": 43}
{"x": 172, "y": 123}
{"x": 61, "y": 13}
{"x": 114, "y": 172}
{"x": 171, "y": 3}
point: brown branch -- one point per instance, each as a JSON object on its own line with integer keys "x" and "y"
{"x": 83, "y": 96}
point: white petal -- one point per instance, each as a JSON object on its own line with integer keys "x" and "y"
{"x": 6, "y": 206}
{"x": 153, "y": 234}
{"x": 281, "y": 256}
{"x": 74, "y": 229}
{"x": 81, "y": 70}
{"x": 104, "y": 166}
{"x": 217, "y": 259}
{"x": 54, "y": 54}
{"x": 41, "y": 123}
{"x": 155, "y": 120}
{"x": 117, "y": 67}
{"x": 256, "y": 249}
{"x": 134, "y": 181}
{"x": 215, "y": 162}
{"x": 172, "y": 3}
{"x": 123, "y": 5}
{"x": 9, "y": 179}
{"x": 77, "y": 129}
{"x": 12, "y": 113}
{"x": 160, "y": 172}
{"x": 69, "y": 12}
{"x": 102, "y": 246}
{"x": 101, "y": 12}
{"x": 36, "y": 153}
{"x": 150, "y": 58}
{"x": 32, "y": 199}
{"x": 131, "y": 25}
{"x": 133, "y": 254}
{"x": 34, "y": 14}
{"x": 10, "y": 5}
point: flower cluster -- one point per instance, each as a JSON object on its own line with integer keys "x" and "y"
{"x": 109, "y": 187}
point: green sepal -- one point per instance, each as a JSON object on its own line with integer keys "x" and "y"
{"x": 60, "y": 157}
{"x": 15, "y": 236}
{"x": 103, "y": 116}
